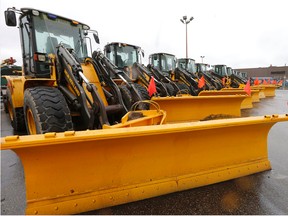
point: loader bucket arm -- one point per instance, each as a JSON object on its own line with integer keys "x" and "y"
{"x": 112, "y": 69}
{"x": 238, "y": 79}
{"x": 69, "y": 73}
{"x": 74, "y": 172}
{"x": 161, "y": 77}
{"x": 188, "y": 79}
{"x": 215, "y": 81}
{"x": 143, "y": 73}
{"x": 104, "y": 76}
{"x": 73, "y": 74}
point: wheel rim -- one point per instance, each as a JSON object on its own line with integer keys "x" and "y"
{"x": 31, "y": 122}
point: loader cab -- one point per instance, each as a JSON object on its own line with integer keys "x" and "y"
{"x": 164, "y": 62}
{"x": 201, "y": 67}
{"x": 187, "y": 64}
{"x": 229, "y": 71}
{"x": 40, "y": 33}
{"x": 221, "y": 70}
{"x": 123, "y": 55}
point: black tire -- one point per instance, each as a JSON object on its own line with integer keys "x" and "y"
{"x": 184, "y": 89}
{"x": 171, "y": 91}
{"x": 126, "y": 96}
{"x": 161, "y": 90}
{"x": 46, "y": 110}
{"x": 4, "y": 101}
{"x": 142, "y": 91}
{"x": 16, "y": 114}
{"x": 217, "y": 85}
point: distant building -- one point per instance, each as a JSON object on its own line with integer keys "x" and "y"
{"x": 273, "y": 71}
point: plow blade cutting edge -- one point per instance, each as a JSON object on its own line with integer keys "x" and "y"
{"x": 195, "y": 108}
{"x": 73, "y": 172}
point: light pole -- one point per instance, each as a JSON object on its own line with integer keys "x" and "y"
{"x": 202, "y": 57}
{"x": 186, "y": 21}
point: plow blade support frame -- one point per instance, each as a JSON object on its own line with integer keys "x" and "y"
{"x": 73, "y": 172}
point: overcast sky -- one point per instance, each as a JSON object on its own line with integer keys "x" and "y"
{"x": 238, "y": 33}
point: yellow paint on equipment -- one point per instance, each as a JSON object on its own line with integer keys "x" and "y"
{"x": 70, "y": 173}
{"x": 194, "y": 108}
{"x": 254, "y": 93}
{"x": 246, "y": 103}
{"x": 261, "y": 91}
{"x": 147, "y": 117}
{"x": 269, "y": 90}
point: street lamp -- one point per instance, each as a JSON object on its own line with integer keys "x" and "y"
{"x": 202, "y": 57}
{"x": 186, "y": 21}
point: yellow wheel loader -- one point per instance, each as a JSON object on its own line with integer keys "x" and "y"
{"x": 211, "y": 82}
{"x": 128, "y": 58}
{"x": 60, "y": 89}
{"x": 124, "y": 156}
{"x": 185, "y": 82}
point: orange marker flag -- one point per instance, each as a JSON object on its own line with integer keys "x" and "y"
{"x": 269, "y": 81}
{"x": 247, "y": 88}
{"x": 223, "y": 81}
{"x": 152, "y": 87}
{"x": 201, "y": 82}
{"x": 256, "y": 81}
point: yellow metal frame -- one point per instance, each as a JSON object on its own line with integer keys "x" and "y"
{"x": 149, "y": 117}
{"x": 195, "y": 108}
{"x": 73, "y": 172}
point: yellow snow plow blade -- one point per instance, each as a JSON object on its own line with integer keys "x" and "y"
{"x": 74, "y": 172}
{"x": 255, "y": 93}
{"x": 194, "y": 108}
{"x": 246, "y": 103}
{"x": 269, "y": 90}
{"x": 261, "y": 90}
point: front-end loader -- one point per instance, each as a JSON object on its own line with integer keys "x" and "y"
{"x": 60, "y": 88}
{"x": 211, "y": 82}
{"x": 163, "y": 65}
{"x": 128, "y": 58}
{"x": 120, "y": 156}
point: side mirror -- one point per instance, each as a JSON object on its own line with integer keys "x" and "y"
{"x": 10, "y": 18}
{"x": 142, "y": 51}
{"x": 96, "y": 38}
{"x": 108, "y": 49}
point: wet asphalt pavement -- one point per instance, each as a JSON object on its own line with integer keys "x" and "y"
{"x": 258, "y": 194}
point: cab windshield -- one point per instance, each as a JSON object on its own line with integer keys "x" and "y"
{"x": 221, "y": 70}
{"x": 187, "y": 64}
{"x": 164, "y": 62}
{"x": 229, "y": 71}
{"x": 49, "y": 32}
{"x": 122, "y": 56}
